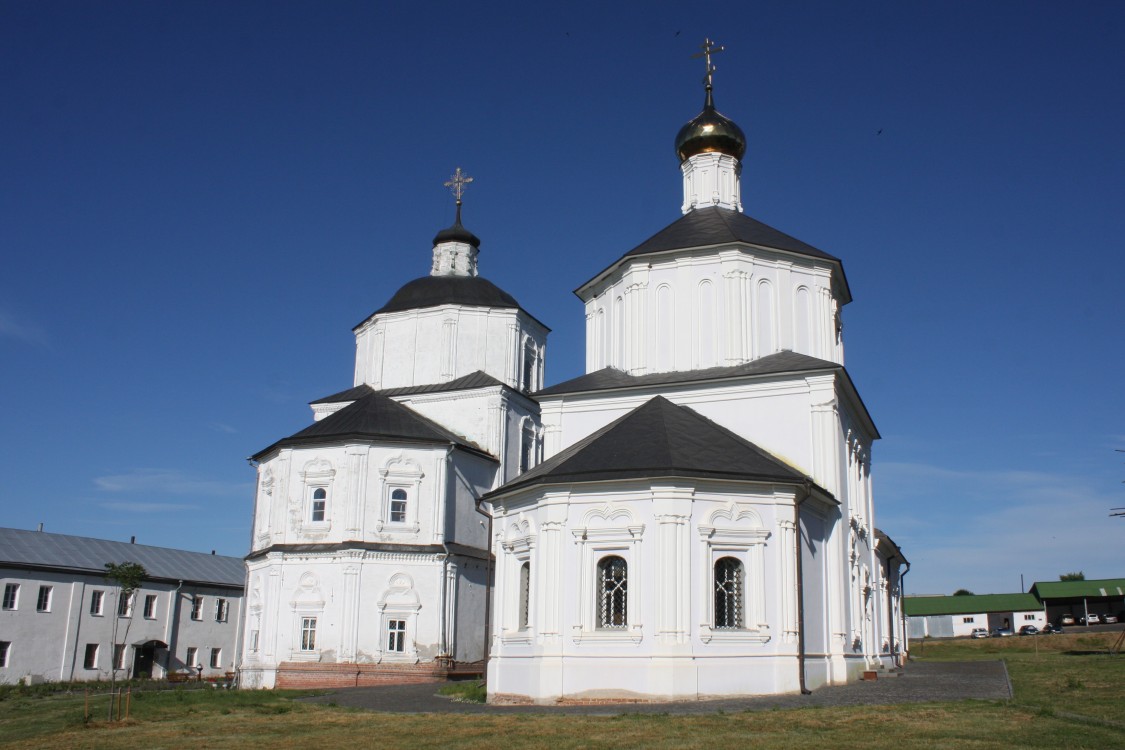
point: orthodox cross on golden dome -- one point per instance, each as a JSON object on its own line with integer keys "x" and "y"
{"x": 456, "y": 184}
{"x": 709, "y": 49}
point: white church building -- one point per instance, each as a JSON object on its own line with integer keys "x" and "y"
{"x": 692, "y": 517}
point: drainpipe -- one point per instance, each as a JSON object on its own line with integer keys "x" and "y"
{"x": 800, "y": 592}
{"x": 173, "y": 621}
{"x": 487, "y": 588}
{"x": 902, "y": 608}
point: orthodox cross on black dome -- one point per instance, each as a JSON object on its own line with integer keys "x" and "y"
{"x": 708, "y": 48}
{"x": 456, "y": 184}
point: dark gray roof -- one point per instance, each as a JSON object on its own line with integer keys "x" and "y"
{"x": 450, "y": 548}
{"x": 478, "y": 379}
{"x": 704, "y": 227}
{"x": 79, "y": 553}
{"x": 610, "y": 378}
{"x": 658, "y": 439}
{"x": 432, "y": 291}
{"x": 374, "y": 417}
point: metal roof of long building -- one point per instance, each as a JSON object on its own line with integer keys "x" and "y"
{"x": 40, "y": 549}
{"x": 965, "y": 604}
{"x": 1078, "y": 589}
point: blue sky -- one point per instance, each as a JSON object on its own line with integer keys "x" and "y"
{"x": 199, "y": 200}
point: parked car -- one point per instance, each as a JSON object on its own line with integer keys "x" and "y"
{"x": 1001, "y": 632}
{"x": 1090, "y": 619}
{"x": 1050, "y": 629}
{"x": 1109, "y": 619}
{"x": 1029, "y": 630}
{"x": 1066, "y": 620}
{"x": 979, "y": 633}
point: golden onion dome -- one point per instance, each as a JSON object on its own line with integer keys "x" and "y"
{"x": 708, "y": 132}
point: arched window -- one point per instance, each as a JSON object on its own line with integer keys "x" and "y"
{"x": 527, "y": 448}
{"x": 613, "y": 575}
{"x": 398, "y": 506}
{"x": 319, "y": 505}
{"x": 525, "y": 594}
{"x": 728, "y": 593}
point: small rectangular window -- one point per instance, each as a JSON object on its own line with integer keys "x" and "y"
{"x": 150, "y": 607}
{"x": 319, "y": 505}
{"x": 253, "y": 640}
{"x": 308, "y": 633}
{"x": 5, "y": 649}
{"x": 216, "y": 658}
{"x": 97, "y": 602}
{"x": 119, "y": 656}
{"x": 196, "y": 607}
{"x": 90, "y": 661}
{"x": 396, "y": 636}
{"x": 125, "y": 605}
{"x": 43, "y": 604}
{"x": 398, "y": 506}
{"x": 221, "y": 607}
{"x": 967, "y": 620}
{"x": 1029, "y": 617}
{"x": 11, "y": 595}
{"x": 191, "y": 659}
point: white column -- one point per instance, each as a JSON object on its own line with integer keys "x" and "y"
{"x": 349, "y": 625}
{"x": 357, "y": 488}
{"x": 789, "y": 582}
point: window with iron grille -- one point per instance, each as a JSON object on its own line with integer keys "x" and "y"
{"x": 613, "y": 574}
{"x": 11, "y": 595}
{"x": 308, "y": 633}
{"x": 525, "y": 594}
{"x": 398, "y": 506}
{"x": 728, "y": 593}
{"x": 44, "y": 602}
{"x": 396, "y": 636}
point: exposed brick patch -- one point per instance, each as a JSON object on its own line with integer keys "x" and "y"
{"x": 315, "y": 675}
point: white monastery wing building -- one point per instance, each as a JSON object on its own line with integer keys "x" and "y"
{"x": 63, "y": 620}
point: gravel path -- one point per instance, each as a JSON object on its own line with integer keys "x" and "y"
{"x": 919, "y": 682}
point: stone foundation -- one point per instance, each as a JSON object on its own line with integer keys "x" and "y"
{"x": 316, "y": 675}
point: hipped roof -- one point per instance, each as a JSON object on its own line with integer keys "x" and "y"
{"x": 658, "y": 439}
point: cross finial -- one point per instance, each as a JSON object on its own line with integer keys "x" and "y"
{"x": 709, "y": 49}
{"x": 457, "y": 183}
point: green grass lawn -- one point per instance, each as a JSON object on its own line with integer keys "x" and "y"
{"x": 1069, "y": 695}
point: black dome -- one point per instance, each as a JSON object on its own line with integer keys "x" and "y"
{"x": 431, "y": 291}
{"x": 710, "y": 131}
{"x": 457, "y": 233}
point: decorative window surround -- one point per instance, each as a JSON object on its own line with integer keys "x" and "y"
{"x": 317, "y": 474}
{"x": 307, "y": 603}
{"x": 399, "y": 602}
{"x": 519, "y": 544}
{"x": 734, "y": 531}
{"x": 400, "y": 473}
{"x": 597, "y": 539}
